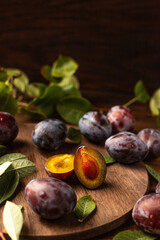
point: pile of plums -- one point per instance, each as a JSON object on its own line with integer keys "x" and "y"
{"x": 114, "y": 129}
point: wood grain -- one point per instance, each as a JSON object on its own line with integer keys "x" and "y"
{"x": 116, "y": 43}
{"x": 124, "y": 185}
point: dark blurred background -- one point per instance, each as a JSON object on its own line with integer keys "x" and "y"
{"x": 115, "y": 42}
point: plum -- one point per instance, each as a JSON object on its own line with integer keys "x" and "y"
{"x": 126, "y": 147}
{"x": 158, "y": 188}
{"x": 49, "y": 134}
{"x": 51, "y": 198}
{"x": 146, "y": 213}
{"x": 121, "y": 119}
{"x": 151, "y": 137}
{"x": 8, "y": 128}
{"x": 95, "y": 126}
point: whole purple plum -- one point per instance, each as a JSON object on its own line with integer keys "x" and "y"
{"x": 126, "y": 147}
{"x": 51, "y": 198}
{"x": 95, "y": 126}
{"x": 8, "y": 128}
{"x": 151, "y": 138}
{"x": 49, "y": 134}
{"x": 121, "y": 119}
{"x": 146, "y": 213}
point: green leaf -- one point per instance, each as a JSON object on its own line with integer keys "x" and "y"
{"x": 84, "y": 207}
{"x": 67, "y": 81}
{"x": 4, "y": 166}
{"x": 74, "y": 135}
{"x": 71, "y": 109}
{"x": 141, "y": 92}
{"x": 32, "y": 90}
{"x": 46, "y": 73}
{"x": 34, "y": 114}
{"x": 154, "y": 174}
{"x": 7, "y": 102}
{"x": 133, "y": 235}
{"x": 3, "y": 74}
{"x": 10, "y": 157}
{"x": 12, "y": 220}
{"x": 20, "y": 164}
{"x": 41, "y": 89}
{"x": 46, "y": 103}
{"x": 109, "y": 159}
{"x": 2, "y": 150}
{"x": 8, "y": 185}
{"x": 64, "y": 67}
{"x": 23, "y": 167}
{"x": 70, "y": 90}
{"x": 155, "y": 102}
{"x": 21, "y": 80}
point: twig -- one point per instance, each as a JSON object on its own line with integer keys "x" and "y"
{"x": 133, "y": 100}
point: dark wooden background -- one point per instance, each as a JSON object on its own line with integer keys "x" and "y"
{"x": 115, "y": 42}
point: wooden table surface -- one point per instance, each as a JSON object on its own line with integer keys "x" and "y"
{"x": 116, "y": 43}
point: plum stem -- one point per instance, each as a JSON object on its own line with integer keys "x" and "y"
{"x": 133, "y": 100}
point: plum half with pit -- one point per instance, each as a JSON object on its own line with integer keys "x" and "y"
{"x": 90, "y": 167}
{"x": 49, "y": 134}
{"x": 126, "y": 147}
{"x": 151, "y": 137}
{"x": 51, "y": 198}
{"x": 95, "y": 126}
{"x": 121, "y": 119}
{"x": 146, "y": 213}
{"x": 8, "y": 128}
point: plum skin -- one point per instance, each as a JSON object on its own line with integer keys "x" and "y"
{"x": 158, "y": 188}
{"x": 51, "y": 198}
{"x": 95, "y": 126}
{"x": 8, "y": 128}
{"x": 146, "y": 213}
{"x": 49, "y": 134}
{"x": 151, "y": 137}
{"x": 121, "y": 119}
{"x": 126, "y": 147}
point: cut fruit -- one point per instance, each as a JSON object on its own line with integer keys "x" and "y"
{"x": 90, "y": 167}
{"x": 60, "y": 166}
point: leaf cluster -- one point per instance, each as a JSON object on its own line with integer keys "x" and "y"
{"x": 60, "y": 95}
{"x": 13, "y": 166}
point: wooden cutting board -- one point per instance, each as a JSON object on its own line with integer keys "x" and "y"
{"x": 123, "y": 186}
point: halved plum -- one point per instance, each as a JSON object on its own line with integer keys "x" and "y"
{"x": 90, "y": 167}
{"x": 60, "y": 166}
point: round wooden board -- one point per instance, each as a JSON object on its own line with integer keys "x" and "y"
{"x": 123, "y": 186}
